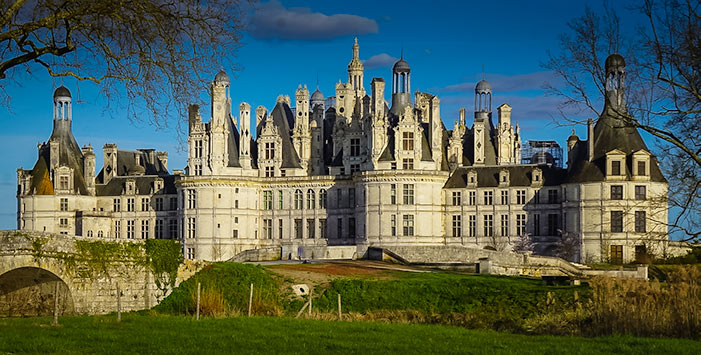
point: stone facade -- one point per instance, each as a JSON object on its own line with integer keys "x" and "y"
{"x": 359, "y": 172}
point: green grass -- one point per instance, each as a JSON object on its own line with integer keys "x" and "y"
{"x": 232, "y": 280}
{"x": 450, "y": 293}
{"x": 171, "y": 335}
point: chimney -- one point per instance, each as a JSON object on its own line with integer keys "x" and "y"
{"x": 163, "y": 157}
{"x": 590, "y": 139}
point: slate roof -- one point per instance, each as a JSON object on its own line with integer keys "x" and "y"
{"x": 144, "y": 184}
{"x": 283, "y": 119}
{"x": 519, "y": 175}
{"x": 69, "y": 154}
{"x": 610, "y": 133}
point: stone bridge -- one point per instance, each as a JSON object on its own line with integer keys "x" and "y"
{"x": 86, "y": 270}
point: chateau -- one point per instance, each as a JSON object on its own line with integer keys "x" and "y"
{"x": 354, "y": 170}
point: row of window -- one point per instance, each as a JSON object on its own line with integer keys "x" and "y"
{"x": 617, "y": 222}
{"x": 488, "y": 225}
{"x": 310, "y": 202}
{"x": 488, "y": 197}
{"x": 160, "y": 231}
{"x": 145, "y": 204}
{"x": 617, "y": 192}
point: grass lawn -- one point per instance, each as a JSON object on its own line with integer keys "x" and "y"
{"x": 170, "y": 334}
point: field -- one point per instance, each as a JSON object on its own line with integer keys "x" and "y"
{"x": 139, "y": 333}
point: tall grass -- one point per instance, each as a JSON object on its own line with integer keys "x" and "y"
{"x": 642, "y": 308}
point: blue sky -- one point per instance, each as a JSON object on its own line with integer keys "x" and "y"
{"x": 447, "y": 43}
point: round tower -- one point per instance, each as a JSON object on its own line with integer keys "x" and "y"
{"x": 62, "y": 104}
{"x": 401, "y": 85}
{"x": 356, "y": 69}
{"x": 615, "y": 82}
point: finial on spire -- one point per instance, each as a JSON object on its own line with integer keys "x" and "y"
{"x": 356, "y": 41}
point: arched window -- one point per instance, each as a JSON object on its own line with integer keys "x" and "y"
{"x": 299, "y": 203}
{"x": 322, "y": 199}
{"x": 90, "y": 234}
{"x": 311, "y": 199}
{"x": 99, "y": 234}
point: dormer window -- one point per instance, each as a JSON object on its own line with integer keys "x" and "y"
{"x": 641, "y": 165}
{"x": 472, "y": 178}
{"x": 130, "y": 187}
{"x": 408, "y": 141}
{"x": 157, "y": 185}
{"x": 615, "y": 164}
{"x": 537, "y": 177}
{"x": 504, "y": 178}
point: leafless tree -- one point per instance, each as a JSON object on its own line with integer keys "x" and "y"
{"x": 152, "y": 53}
{"x": 567, "y": 246}
{"x": 663, "y": 88}
{"x": 523, "y": 244}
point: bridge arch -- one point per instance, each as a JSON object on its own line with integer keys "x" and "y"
{"x": 29, "y": 291}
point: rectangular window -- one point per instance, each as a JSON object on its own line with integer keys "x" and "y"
{"x": 198, "y": 149}
{"x": 505, "y": 225}
{"x": 198, "y": 169}
{"x": 536, "y": 197}
{"x": 63, "y": 222}
{"x": 552, "y": 224}
{"x": 322, "y": 228}
{"x": 117, "y": 205}
{"x": 521, "y": 224}
{"x": 457, "y": 198}
{"x": 536, "y": 224}
{"x": 279, "y": 228}
{"x": 641, "y": 168}
{"x": 615, "y": 167}
{"x": 354, "y": 168}
{"x": 269, "y": 171}
{"x": 339, "y": 227}
{"x": 299, "y": 200}
{"x": 489, "y": 197}
{"x": 472, "y": 226}
{"x": 504, "y": 197}
{"x": 408, "y": 225}
{"x": 191, "y": 253}
{"x": 472, "y": 198}
{"x": 408, "y": 194}
{"x": 616, "y": 221}
{"x": 488, "y": 225}
{"x": 355, "y": 147}
{"x": 269, "y": 150}
{"x": 322, "y": 199}
{"x": 351, "y": 227}
{"x": 267, "y": 200}
{"x": 173, "y": 229}
{"x": 640, "y": 226}
{"x": 393, "y": 225}
{"x": 310, "y": 228}
{"x": 130, "y": 204}
{"x": 63, "y": 183}
{"x": 616, "y": 254}
{"x": 457, "y": 226}
{"x": 267, "y": 228}
{"x": 191, "y": 199}
{"x": 64, "y": 204}
{"x": 298, "y": 228}
{"x": 393, "y": 194}
{"x": 521, "y": 197}
{"x": 235, "y": 234}
{"x": 173, "y": 203}
{"x": 283, "y": 172}
{"x": 145, "y": 204}
{"x": 191, "y": 227}
{"x": 159, "y": 229}
{"x": 351, "y": 197}
{"x": 118, "y": 229}
{"x": 616, "y": 192}
{"x": 408, "y": 164}
{"x": 339, "y": 198}
{"x": 640, "y": 192}
{"x": 144, "y": 229}
{"x": 407, "y": 140}
{"x": 159, "y": 204}
{"x": 552, "y": 196}
{"x": 130, "y": 229}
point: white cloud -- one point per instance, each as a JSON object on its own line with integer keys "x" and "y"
{"x": 379, "y": 61}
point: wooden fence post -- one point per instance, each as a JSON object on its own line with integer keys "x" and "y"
{"x": 250, "y": 301}
{"x": 311, "y": 296}
{"x": 339, "y": 306}
{"x": 198, "y": 300}
{"x": 56, "y": 304}
{"x": 119, "y": 304}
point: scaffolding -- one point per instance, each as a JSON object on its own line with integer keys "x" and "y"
{"x": 542, "y": 152}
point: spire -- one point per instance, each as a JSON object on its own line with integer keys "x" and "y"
{"x": 356, "y": 47}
